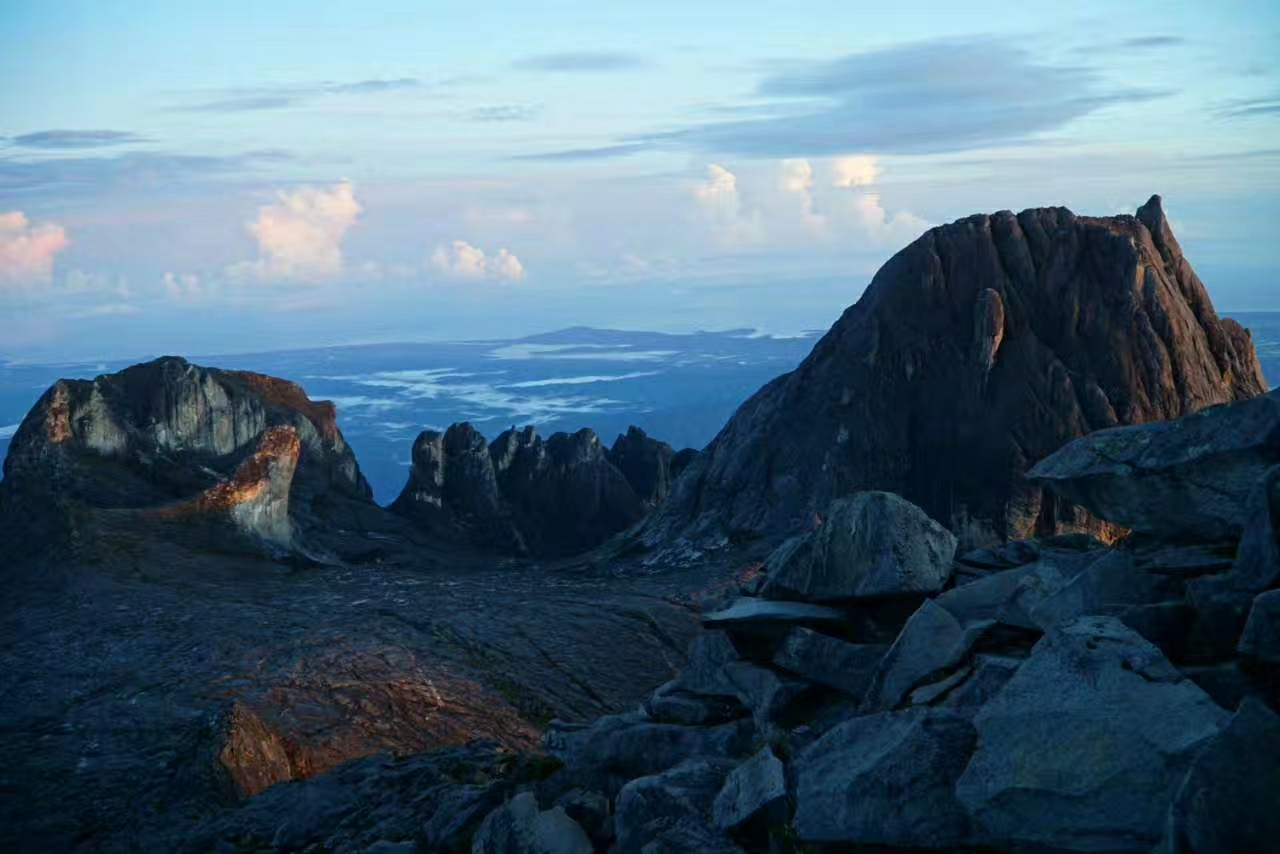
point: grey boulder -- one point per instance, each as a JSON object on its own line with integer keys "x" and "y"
{"x": 757, "y": 787}
{"x": 870, "y": 544}
{"x": 1228, "y": 803}
{"x": 518, "y": 827}
{"x": 650, "y": 807}
{"x": 829, "y": 661}
{"x": 1188, "y": 478}
{"x": 1084, "y": 748}
{"x": 1261, "y": 638}
{"x": 885, "y": 779}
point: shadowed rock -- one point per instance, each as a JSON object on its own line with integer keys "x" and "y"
{"x": 520, "y": 495}
{"x": 1190, "y": 478}
{"x": 650, "y": 466}
{"x": 1084, "y": 747}
{"x": 976, "y": 351}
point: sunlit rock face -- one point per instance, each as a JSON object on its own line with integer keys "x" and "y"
{"x": 976, "y": 351}
{"x": 181, "y": 439}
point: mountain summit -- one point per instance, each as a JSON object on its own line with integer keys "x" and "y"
{"x": 977, "y": 350}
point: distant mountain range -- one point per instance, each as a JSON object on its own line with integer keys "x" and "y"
{"x": 679, "y": 388}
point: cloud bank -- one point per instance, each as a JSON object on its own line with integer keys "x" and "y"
{"x": 461, "y": 260}
{"x": 28, "y": 250}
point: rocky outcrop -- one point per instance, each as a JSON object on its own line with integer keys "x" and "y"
{"x": 975, "y": 352}
{"x": 1185, "y": 479}
{"x": 650, "y": 466}
{"x": 183, "y": 440}
{"x": 526, "y": 495}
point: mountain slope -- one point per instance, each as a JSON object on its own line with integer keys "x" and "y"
{"x": 977, "y": 350}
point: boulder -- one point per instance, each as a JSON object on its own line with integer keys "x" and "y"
{"x": 762, "y": 613}
{"x": 755, "y": 789}
{"x": 886, "y": 779}
{"x": 651, "y": 806}
{"x": 617, "y": 748}
{"x": 1190, "y": 478}
{"x": 932, "y": 642}
{"x": 1106, "y": 586}
{"x": 1227, "y": 803}
{"x": 870, "y": 545}
{"x": 1084, "y": 748}
{"x": 981, "y": 348}
{"x": 1261, "y": 637}
{"x": 829, "y": 661}
{"x": 518, "y": 827}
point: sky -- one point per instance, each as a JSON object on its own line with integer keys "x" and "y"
{"x": 235, "y": 176}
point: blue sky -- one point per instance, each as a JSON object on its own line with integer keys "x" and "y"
{"x": 214, "y": 177}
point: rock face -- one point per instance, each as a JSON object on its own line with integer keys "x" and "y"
{"x": 524, "y": 495}
{"x": 975, "y": 352}
{"x": 650, "y": 466}
{"x": 186, "y": 440}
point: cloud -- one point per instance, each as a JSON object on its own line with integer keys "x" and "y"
{"x": 579, "y": 62}
{"x": 300, "y": 235}
{"x": 858, "y": 170}
{"x": 916, "y": 98}
{"x": 182, "y": 286}
{"x": 1244, "y": 108}
{"x": 1143, "y": 42}
{"x": 462, "y": 260}
{"x": 504, "y": 113}
{"x": 127, "y": 171}
{"x": 28, "y": 250}
{"x": 797, "y": 179}
{"x": 63, "y": 139}
{"x": 260, "y": 98}
{"x": 721, "y": 206}
{"x": 602, "y": 153}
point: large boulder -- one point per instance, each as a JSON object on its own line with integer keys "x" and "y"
{"x": 520, "y": 495}
{"x": 186, "y": 441}
{"x": 886, "y": 779}
{"x": 870, "y": 545}
{"x": 1190, "y": 478}
{"x": 976, "y": 351}
{"x": 828, "y": 661}
{"x": 519, "y": 827}
{"x": 650, "y": 808}
{"x": 1227, "y": 804}
{"x": 755, "y": 790}
{"x": 1084, "y": 748}
{"x": 1261, "y": 637}
{"x": 618, "y": 748}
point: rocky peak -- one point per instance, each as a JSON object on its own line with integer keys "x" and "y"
{"x": 179, "y": 438}
{"x": 650, "y": 466}
{"x": 527, "y": 495}
{"x": 976, "y": 351}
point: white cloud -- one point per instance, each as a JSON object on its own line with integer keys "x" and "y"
{"x": 797, "y": 179}
{"x": 182, "y": 285}
{"x": 885, "y": 229}
{"x": 300, "y": 236}
{"x": 27, "y": 250}
{"x": 462, "y": 260}
{"x": 858, "y": 170}
{"x": 722, "y": 207}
